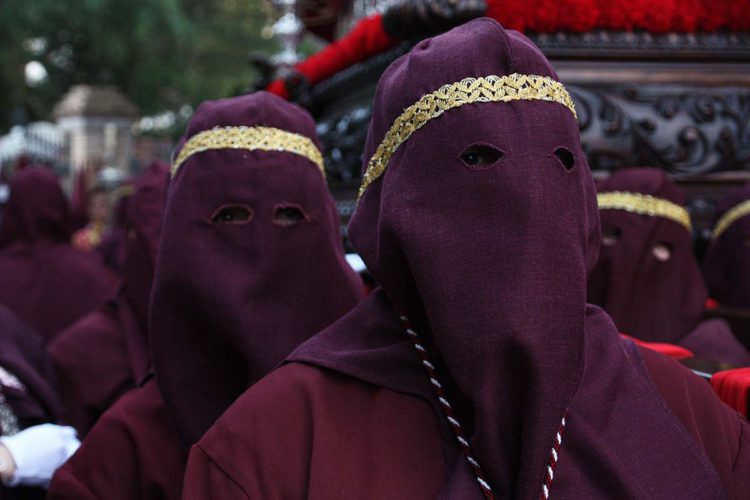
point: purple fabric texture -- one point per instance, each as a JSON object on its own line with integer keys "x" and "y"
{"x": 232, "y": 299}
{"x": 726, "y": 266}
{"x": 490, "y": 265}
{"x": 653, "y": 300}
{"x": 43, "y": 279}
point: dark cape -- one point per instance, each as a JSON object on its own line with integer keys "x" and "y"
{"x": 26, "y": 388}
{"x": 105, "y": 354}
{"x": 483, "y": 237}
{"x": 237, "y": 288}
{"x": 651, "y": 299}
{"x": 43, "y": 279}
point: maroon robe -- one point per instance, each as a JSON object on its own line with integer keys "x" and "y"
{"x": 105, "y": 353}
{"x": 250, "y": 264}
{"x": 319, "y": 433}
{"x": 132, "y": 452}
{"x": 479, "y": 219}
{"x": 43, "y": 279}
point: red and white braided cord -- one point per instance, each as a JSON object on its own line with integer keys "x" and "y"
{"x": 458, "y": 431}
{"x": 549, "y": 474}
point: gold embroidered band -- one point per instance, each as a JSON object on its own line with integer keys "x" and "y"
{"x": 252, "y": 139}
{"x": 730, "y": 218}
{"x": 644, "y": 204}
{"x": 514, "y": 87}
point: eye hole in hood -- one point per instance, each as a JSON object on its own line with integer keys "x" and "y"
{"x": 481, "y": 156}
{"x": 232, "y": 214}
{"x": 287, "y": 215}
{"x": 662, "y": 251}
{"x": 610, "y": 235}
{"x": 566, "y": 158}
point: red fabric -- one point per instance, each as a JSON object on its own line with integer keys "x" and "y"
{"x": 656, "y": 16}
{"x": 669, "y": 350}
{"x": 733, "y": 386}
{"x": 366, "y": 39}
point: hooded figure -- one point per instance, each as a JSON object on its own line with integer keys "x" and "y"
{"x": 478, "y": 217}
{"x": 43, "y": 279}
{"x": 105, "y": 353}
{"x": 647, "y": 277}
{"x": 726, "y": 266}
{"x": 250, "y": 265}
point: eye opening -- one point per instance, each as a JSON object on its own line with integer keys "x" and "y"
{"x": 232, "y": 214}
{"x": 288, "y": 214}
{"x": 610, "y": 235}
{"x": 566, "y": 158}
{"x": 481, "y": 156}
{"x": 662, "y": 251}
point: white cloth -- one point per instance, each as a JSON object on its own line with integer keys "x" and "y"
{"x": 356, "y": 262}
{"x": 38, "y": 451}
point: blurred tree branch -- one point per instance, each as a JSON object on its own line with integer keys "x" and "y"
{"x": 160, "y": 53}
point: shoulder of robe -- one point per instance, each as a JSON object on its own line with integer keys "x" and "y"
{"x": 271, "y": 437}
{"x": 720, "y": 431}
{"x": 94, "y": 325}
{"x": 264, "y": 436}
{"x": 133, "y": 448}
{"x": 66, "y": 486}
{"x": 142, "y": 406}
{"x": 282, "y": 401}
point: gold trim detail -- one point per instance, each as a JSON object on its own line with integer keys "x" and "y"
{"x": 644, "y": 204}
{"x": 252, "y": 139}
{"x": 514, "y": 87}
{"x": 729, "y": 218}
